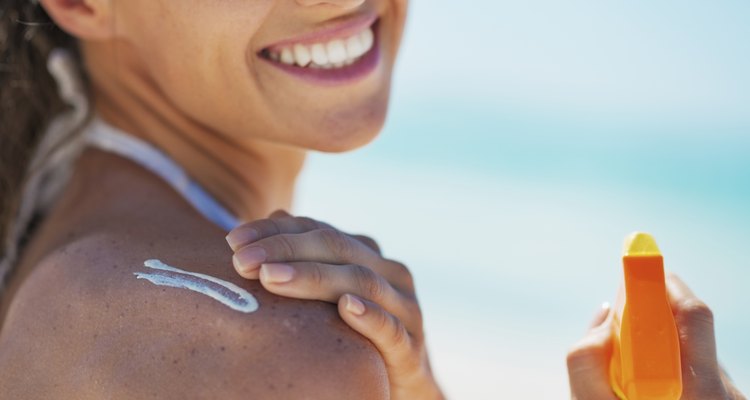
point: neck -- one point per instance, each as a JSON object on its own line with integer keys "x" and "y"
{"x": 251, "y": 179}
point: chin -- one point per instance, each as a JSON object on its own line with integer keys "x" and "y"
{"x": 345, "y": 131}
{"x": 339, "y": 135}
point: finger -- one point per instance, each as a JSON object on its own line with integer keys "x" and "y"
{"x": 328, "y": 246}
{"x": 600, "y": 316}
{"x": 732, "y": 391}
{"x": 325, "y": 282}
{"x": 279, "y": 222}
{"x": 588, "y": 363}
{"x": 385, "y": 331}
{"x": 695, "y": 325}
{"x": 369, "y": 242}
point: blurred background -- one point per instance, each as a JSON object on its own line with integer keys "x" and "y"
{"x": 526, "y": 139}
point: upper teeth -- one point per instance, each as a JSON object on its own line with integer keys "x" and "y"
{"x": 334, "y": 54}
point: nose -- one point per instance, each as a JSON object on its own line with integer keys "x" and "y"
{"x": 345, "y": 4}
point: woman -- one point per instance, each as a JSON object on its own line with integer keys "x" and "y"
{"x": 201, "y": 114}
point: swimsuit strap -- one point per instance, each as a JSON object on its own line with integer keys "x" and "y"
{"x": 102, "y": 135}
{"x": 64, "y": 139}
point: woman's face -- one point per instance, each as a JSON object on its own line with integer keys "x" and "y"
{"x": 308, "y": 73}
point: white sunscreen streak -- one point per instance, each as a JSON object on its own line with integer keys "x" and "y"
{"x": 222, "y": 291}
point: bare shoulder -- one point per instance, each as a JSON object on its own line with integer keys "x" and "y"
{"x": 83, "y": 326}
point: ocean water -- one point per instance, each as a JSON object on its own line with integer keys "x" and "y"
{"x": 525, "y": 141}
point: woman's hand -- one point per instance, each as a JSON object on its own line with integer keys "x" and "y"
{"x": 303, "y": 258}
{"x": 702, "y": 378}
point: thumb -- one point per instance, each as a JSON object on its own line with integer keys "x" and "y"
{"x": 588, "y": 360}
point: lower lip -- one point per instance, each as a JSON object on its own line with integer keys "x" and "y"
{"x": 337, "y": 76}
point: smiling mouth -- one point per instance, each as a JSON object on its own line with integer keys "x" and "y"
{"x": 344, "y": 57}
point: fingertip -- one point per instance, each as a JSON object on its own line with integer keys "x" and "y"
{"x": 241, "y": 236}
{"x": 601, "y": 314}
{"x": 244, "y": 272}
{"x": 353, "y": 305}
{"x": 276, "y": 273}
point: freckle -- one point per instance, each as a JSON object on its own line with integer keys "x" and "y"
{"x": 114, "y": 266}
{"x": 193, "y": 351}
{"x": 196, "y": 306}
{"x": 106, "y": 305}
{"x": 175, "y": 361}
{"x": 150, "y": 244}
{"x": 271, "y": 386}
{"x": 273, "y": 307}
{"x": 295, "y": 315}
{"x": 244, "y": 347}
{"x": 289, "y": 385}
{"x": 223, "y": 348}
{"x": 96, "y": 335}
{"x": 339, "y": 340}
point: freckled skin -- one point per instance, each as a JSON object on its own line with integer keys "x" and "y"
{"x": 77, "y": 324}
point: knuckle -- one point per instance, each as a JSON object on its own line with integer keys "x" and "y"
{"x": 695, "y": 310}
{"x": 316, "y": 275}
{"x": 286, "y": 247}
{"x": 369, "y": 283}
{"x": 273, "y": 226}
{"x": 307, "y": 223}
{"x": 337, "y": 242}
{"x": 582, "y": 354}
{"x": 279, "y": 212}
{"x": 415, "y": 312}
{"x": 404, "y": 274}
{"x": 370, "y": 242}
{"x": 400, "y": 337}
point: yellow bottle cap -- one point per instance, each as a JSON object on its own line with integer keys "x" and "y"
{"x": 640, "y": 244}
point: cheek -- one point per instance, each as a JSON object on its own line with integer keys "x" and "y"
{"x": 199, "y": 65}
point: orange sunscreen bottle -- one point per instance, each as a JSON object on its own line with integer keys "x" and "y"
{"x": 645, "y": 362}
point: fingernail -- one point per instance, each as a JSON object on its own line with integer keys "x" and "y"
{"x": 241, "y": 236}
{"x": 276, "y": 273}
{"x": 601, "y": 315}
{"x": 354, "y": 305}
{"x": 242, "y": 268}
{"x": 249, "y": 258}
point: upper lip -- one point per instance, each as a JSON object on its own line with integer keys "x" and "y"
{"x": 333, "y": 30}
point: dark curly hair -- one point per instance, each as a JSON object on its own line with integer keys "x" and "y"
{"x": 28, "y": 93}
